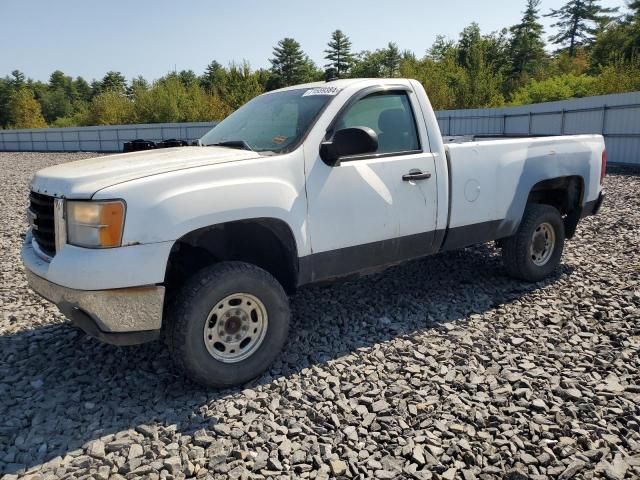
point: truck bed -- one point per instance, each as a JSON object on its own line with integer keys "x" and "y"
{"x": 489, "y": 179}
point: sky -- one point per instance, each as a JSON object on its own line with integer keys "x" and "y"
{"x": 152, "y": 37}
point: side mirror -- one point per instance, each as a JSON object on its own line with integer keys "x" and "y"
{"x": 346, "y": 142}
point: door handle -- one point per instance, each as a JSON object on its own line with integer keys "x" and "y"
{"x": 416, "y": 175}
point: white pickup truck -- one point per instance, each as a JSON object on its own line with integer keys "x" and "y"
{"x": 201, "y": 245}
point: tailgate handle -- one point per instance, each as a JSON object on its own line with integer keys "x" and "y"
{"x": 416, "y": 175}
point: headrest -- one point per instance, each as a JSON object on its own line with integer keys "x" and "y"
{"x": 394, "y": 119}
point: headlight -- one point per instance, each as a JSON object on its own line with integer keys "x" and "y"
{"x": 95, "y": 224}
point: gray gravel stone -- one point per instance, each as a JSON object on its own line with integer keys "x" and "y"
{"x": 440, "y": 368}
{"x": 338, "y": 467}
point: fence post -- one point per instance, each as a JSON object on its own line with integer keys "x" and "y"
{"x": 118, "y": 137}
{"x": 449, "y": 125}
{"x": 562, "y": 122}
{"x": 529, "y": 131}
{"x": 504, "y": 124}
{"x": 33, "y": 147}
{"x": 604, "y": 118}
{"x": 99, "y": 140}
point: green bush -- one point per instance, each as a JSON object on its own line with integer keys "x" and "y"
{"x": 560, "y": 87}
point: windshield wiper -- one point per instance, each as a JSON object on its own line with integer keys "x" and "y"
{"x": 241, "y": 144}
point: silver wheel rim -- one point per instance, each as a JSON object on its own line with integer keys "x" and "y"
{"x": 235, "y": 328}
{"x": 543, "y": 244}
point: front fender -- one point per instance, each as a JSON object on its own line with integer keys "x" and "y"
{"x": 166, "y": 207}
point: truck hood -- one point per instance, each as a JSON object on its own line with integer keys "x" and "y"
{"x": 83, "y": 178}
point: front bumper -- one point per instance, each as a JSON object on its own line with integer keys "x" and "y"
{"x": 112, "y": 294}
{"x": 125, "y": 316}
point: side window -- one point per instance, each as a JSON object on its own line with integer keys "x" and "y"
{"x": 390, "y": 116}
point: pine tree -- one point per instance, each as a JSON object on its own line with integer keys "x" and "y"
{"x": 391, "y": 60}
{"x": 18, "y": 80}
{"x": 632, "y": 47}
{"x": 470, "y": 40}
{"x": 339, "y": 54}
{"x": 289, "y": 65}
{"x": 113, "y": 82}
{"x": 578, "y": 22}
{"x": 188, "y": 77}
{"x": 527, "y": 46}
{"x": 82, "y": 88}
{"x": 138, "y": 84}
{"x": 442, "y": 47}
{"x": 213, "y": 77}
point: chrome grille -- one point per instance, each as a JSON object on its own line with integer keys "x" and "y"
{"x": 42, "y": 220}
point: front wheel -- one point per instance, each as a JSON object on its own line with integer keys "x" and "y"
{"x": 227, "y": 324}
{"x": 534, "y": 251}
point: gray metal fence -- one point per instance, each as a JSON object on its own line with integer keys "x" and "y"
{"x": 105, "y": 138}
{"x": 616, "y": 117}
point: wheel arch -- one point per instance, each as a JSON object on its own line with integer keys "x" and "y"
{"x": 563, "y": 193}
{"x": 266, "y": 242}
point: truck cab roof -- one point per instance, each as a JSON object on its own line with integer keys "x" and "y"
{"x": 343, "y": 83}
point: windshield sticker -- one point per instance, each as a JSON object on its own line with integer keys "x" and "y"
{"x": 331, "y": 91}
{"x": 280, "y": 139}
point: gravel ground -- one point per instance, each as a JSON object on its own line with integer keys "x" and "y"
{"x": 441, "y": 368}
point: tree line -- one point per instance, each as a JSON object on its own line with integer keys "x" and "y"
{"x": 597, "y": 51}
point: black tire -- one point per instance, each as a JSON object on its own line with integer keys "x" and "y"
{"x": 190, "y": 309}
{"x": 516, "y": 252}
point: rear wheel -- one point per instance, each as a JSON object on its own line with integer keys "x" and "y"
{"x": 228, "y": 324}
{"x": 534, "y": 251}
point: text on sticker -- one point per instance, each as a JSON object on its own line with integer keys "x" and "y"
{"x": 321, "y": 91}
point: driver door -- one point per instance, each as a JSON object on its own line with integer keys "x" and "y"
{"x": 372, "y": 210}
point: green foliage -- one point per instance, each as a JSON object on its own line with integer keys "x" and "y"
{"x": 560, "y": 87}
{"x": 339, "y": 54}
{"x": 462, "y": 77}
{"x": 438, "y": 78}
{"x": 56, "y": 103}
{"x": 382, "y": 63}
{"x": 24, "y": 110}
{"x": 170, "y": 100}
{"x": 238, "y": 86}
{"x": 110, "y": 108}
{"x": 624, "y": 77}
{"x": 6, "y": 91}
{"x": 368, "y": 65}
{"x": 598, "y": 54}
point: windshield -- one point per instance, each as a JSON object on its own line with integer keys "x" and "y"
{"x": 275, "y": 122}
